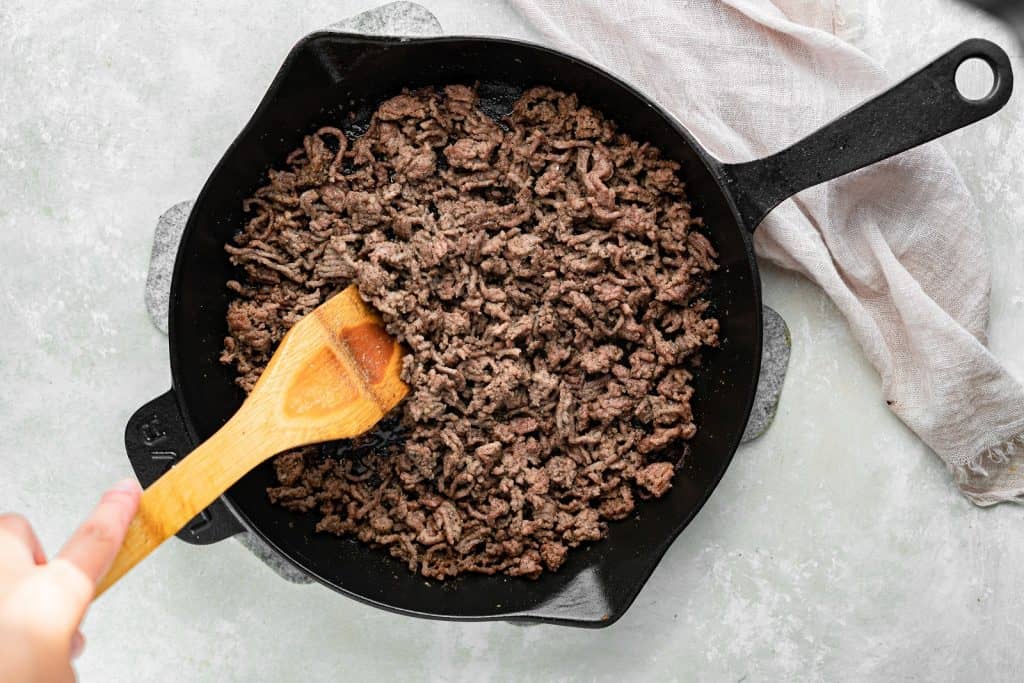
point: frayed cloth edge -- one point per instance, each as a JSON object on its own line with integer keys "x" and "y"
{"x": 984, "y": 479}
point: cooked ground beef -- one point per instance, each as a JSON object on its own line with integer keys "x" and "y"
{"x": 546, "y": 275}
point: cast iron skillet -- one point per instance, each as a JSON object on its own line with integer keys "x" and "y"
{"x": 329, "y": 74}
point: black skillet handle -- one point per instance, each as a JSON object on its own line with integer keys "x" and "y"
{"x": 156, "y": 439}
{"x": 925, "y": 106}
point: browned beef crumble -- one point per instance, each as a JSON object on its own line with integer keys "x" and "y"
{"x": 546, "y": 275}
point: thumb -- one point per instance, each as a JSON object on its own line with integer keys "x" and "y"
{"x": 89, "y": 552}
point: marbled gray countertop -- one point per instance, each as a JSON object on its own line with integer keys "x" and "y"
{"x": 835, "y": 547}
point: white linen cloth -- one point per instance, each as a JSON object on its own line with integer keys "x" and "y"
{"x": 898, "y": 247}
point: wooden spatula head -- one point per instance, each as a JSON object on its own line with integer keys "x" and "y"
{"x": 334, "y": 375}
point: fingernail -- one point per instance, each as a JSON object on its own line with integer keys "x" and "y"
{"x": 129, "y": 485}
{"x": 77, "y": 644}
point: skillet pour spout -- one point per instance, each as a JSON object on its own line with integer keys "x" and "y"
{"x": 329, "y": 75}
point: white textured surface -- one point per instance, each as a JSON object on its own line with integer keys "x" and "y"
{"x": 835, "y": 548}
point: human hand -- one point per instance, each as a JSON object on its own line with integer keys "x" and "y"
{"x": 42, "y": 603}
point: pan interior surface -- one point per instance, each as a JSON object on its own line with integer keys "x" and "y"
{"x": 327, "y": 76}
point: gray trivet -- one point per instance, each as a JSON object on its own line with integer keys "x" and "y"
{"x": 392, "y": 19}
{"x": 410, "y": 19}
{"x": 774, "y": 361}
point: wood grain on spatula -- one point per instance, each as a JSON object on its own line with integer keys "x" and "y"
{"x": 334, "y": 376}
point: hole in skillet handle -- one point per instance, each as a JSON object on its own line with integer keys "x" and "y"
{"x": 975, "y": 79}
{"x": 919, "y": 109}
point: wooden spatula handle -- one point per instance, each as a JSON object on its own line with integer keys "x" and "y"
{"x": 184, "y": 491}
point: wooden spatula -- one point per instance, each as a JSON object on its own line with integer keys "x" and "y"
{"x": 334, "y": 375}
